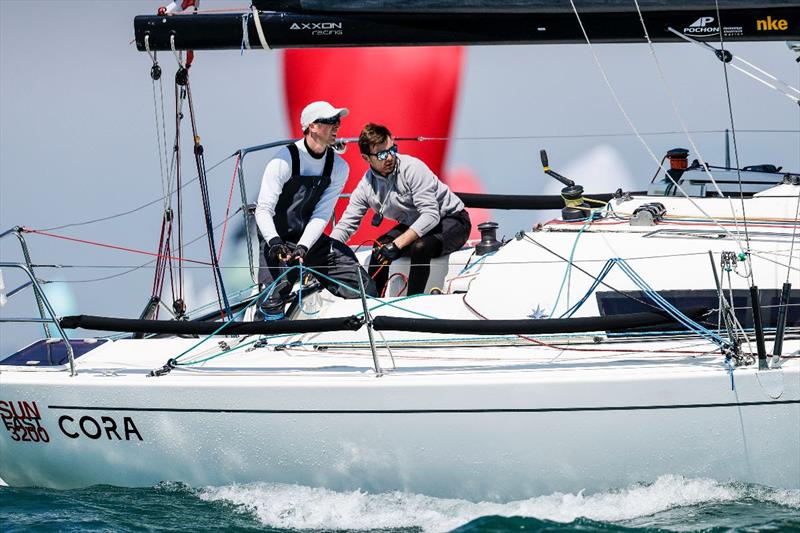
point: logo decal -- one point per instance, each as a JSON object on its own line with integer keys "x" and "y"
{"x": 23, "y": 420}
{"x": 106, "y": 428}
{"x": 705, "y": 27}
{"x": 771, "y": 24}
{"x": 702, "y": 22}
{"x": 318, "y": 28}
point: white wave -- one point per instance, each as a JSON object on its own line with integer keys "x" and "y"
{"x": 298, "y": 507}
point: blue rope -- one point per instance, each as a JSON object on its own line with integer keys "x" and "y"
{"x": 470, "y": 265}
{"x": 668, "y": 307}
{"x": 269, "y": 288}
{"x": 390, "y": 304}
{"x": 730, "y": 369}
{"x": 652, "y": 295}
{"x": 603, "y": 272}
{"x": 569, "y": 264}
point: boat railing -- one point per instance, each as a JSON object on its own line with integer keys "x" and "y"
{"x": 248, "y": 210}
{"x": 17, "y": 231}
{"x": 42, "y": 300}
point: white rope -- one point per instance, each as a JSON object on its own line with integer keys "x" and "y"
{"x": 691, "y": 141}
{"x": 245, "y": 33}
{"x": 611, "y": 88}
{"x": 161, "y": 157}
{"x": 147, "y": 47}
{"x": 633, "y": 127}
{"x": 178, "y": 55}
{"x": 259, "y": 29}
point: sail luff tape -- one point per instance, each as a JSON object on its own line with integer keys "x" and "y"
{"x": 259, "y": 29}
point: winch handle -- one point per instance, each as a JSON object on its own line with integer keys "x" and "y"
{"x": 566, "y": 181}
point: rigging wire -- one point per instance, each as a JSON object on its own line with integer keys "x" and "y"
{"x": 578, "y": 135}
{"x": 135, "y": 209}
{"x": 733, "y": 135}
{"x": 678, "y": 115}
{"x": 610, "y": 87}
{"x": 155, "y": 79}
{"x": 200, "y": 163}
{"x": 143, "y": 265}
{"x": 732, "y": 58}
{"x": 178, "y": 300}
{"x": 106, "y": 245}
{"x": 163, "y": 260}
{"x": 424, "y": 139}
{"x": 228, "y": 208}
{"x": 797, "y": 208}
{"x": 633, "y": 127}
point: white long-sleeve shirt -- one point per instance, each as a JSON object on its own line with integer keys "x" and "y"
{"x": 277, "y": 173}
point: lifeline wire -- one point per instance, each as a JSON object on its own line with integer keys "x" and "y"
{"x": 134, "y": 210}
{"x": 143, "y": 265}
{"x": 575, "y": 135}
{"x": 268, "y": 291}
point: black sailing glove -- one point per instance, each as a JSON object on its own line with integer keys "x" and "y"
{"x": 299, "y": 254}
{"x": 387, "y": 253}
{"x": 278, "y": 250}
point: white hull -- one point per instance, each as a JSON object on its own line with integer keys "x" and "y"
{"x": 457, "y": 416}
{"x": 491, "y": 431}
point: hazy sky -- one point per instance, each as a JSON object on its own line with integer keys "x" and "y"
{"x": 77, "y": 131}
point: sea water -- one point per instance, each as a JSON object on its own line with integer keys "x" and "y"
{"x": 671, "y": 503}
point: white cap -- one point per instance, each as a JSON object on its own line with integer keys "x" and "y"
{"x": 317, "y": 110}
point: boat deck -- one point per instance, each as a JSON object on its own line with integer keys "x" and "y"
{"x": 297, "y": 357}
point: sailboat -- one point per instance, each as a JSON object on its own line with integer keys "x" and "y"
{"x": 640, "y": 333}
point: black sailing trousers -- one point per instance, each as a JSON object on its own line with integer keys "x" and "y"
{"x": 446, "y": 237}
{"x": 326, "y": 256}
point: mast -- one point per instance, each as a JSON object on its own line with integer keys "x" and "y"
{"x": 347, "y": 23}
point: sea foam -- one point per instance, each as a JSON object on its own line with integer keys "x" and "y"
{"x": 298, "y": 507}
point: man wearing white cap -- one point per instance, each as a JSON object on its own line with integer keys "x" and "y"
{"x": 299, "y": 190}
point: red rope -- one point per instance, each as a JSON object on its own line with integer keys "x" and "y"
{"x": 228, "y": 209}
{"x": 103, "y": 245}
{"x": 400, "y": 292}
{"x": 373, "y": 241}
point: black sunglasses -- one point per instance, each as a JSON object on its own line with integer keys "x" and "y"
{"x": 383, "y": 155}
{"x": 332, "y": 121}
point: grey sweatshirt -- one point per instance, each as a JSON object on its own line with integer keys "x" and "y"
{"x": 411, "y": 195}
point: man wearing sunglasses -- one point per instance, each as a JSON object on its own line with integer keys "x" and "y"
{"x": 299, "y": 189}
{"x": 431, "y": 219}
